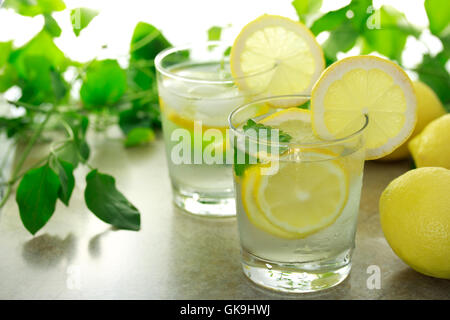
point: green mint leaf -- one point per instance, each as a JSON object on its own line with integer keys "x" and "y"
{"x": 108, "y": 204}
{"x": 51, "y": 26}
{"x": 81, "y": 17}
{"x": 239, "y": 168}
{"x": 438, "y": 12}
{"x": 305, "y": 105}
{"x": 147, "y": 42}
{"x": 64, "y": 170}
{"x": 139, "y": 136}
{"x": 104, "y": 84}
{"x": 32, "y": 8}
{"x": 36, "y": 196}
{"x": 214, "y": 33}
{"x": 251, "y": 124}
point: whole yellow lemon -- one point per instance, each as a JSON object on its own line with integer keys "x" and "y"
{"x": 415, "y": 218}
{"x": 431, "y": 148}
{"x": 429, "y": 107}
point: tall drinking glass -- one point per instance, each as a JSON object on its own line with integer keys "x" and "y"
{"x": 196, "y": 94}
{"x": 297, "y": 201}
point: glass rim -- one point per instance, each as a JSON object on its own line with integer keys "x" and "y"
{"x": 328, "y": 142}
{"x": 165, "y": 71}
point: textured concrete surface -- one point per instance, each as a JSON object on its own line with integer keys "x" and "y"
{"x": 175, "y": 255}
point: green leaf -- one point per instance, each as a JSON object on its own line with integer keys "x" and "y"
{"x": 438, "y": 12}
{"x": 132, "y": 118}
{"x": 77, "y": 149}
{"x": 329, "y": 21}
{"x": 8, "y": 77}
{"x": 214, "y": 33}
{"x": 389, "y": 38}
{"x": 445, "y": 39}
{"x": 5, "y": 51}
{"x": 227, "y": 52}
{"x": 432, "y": 71}
{"x": 51, "y": 26}
{"x": 40, "y": 82}
{"x": 342, "y": 39}
{"x": 108, "y": 204}
{"x": 138, "y": 136}
{"x": 66, "y": 179}
{"x": 81, "y": 17}
{"x": 33, "y": 8}
{"x": 41, "y": 45}
{"x": 239, "y": 168}
{"x": 306, "y": 7}
{"x": 141, "y": 76}
{"x": 147, "y": 42}
{"x": 13, "y": 126}
{"x": 104, "y": 84}
{"x": 36, "y": 196}
{"x": 251, "y": 124}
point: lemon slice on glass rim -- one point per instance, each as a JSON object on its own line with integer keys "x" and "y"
{"x": 369, "y": 85}
{"x": 284, "y": 55}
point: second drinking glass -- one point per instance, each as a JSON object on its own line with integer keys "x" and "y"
{"x": 197, "y": 93}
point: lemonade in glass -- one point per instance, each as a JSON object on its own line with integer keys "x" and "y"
{"x": 297, "y": 196}
{"x": 197, "y": 93}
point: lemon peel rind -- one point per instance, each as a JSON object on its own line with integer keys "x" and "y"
{"x": 366, "y": 62}
{"x": 259, "y": 24}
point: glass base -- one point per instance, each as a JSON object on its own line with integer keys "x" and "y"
{"x": 221, "y": 205}
{"x": 295, "y": 278}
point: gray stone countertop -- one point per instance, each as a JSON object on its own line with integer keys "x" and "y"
{"x": 175, "y": 255}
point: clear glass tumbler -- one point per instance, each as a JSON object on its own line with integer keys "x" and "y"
{"x": 297, "y": 201}
{"x": 197, "y": 93}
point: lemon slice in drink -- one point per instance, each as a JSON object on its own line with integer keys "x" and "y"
{"x": 300, "y": 198}
{"x": 254, "y": 214}
{"x": 293, "y": 121}
{"x": 283, "y": 54}
{"x": 368, "y": 85}
{"x": 297, "y": 201}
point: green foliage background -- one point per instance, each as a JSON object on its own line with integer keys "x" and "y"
{"x": 110, "y": 94}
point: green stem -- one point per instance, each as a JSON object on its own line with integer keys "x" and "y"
{"x": 27, "y": 106}
{"x": 25, "y": 154}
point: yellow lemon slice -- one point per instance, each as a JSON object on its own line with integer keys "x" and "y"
{"x": 277, "y": 56}
{"x": 293, "y": 121}
{"x": 254, "y": 214}
{"x": 299, "y": 199}
{"x": 368, "y": 85}
{"x": 289, "y": 202}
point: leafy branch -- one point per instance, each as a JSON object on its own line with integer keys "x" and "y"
{"x": 108, "y": 94}
{"x": 384, "y": 30}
